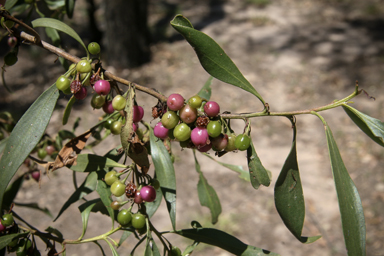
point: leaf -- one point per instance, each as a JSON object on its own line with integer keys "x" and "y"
{"x": 25, "y": 136}
{"x": 205, "y": 91}
{"x": 70, "y": 7}
{"x": 11, "y": 192}
{"x": 3, "y": 142}
{"x": 124, "y": 237}
{"x": 114, "y": 252}
{"x": 105, "y": 195}
{"x": 289, "y": 198}
{"x": 212, "y": 57}
{"x": 223, "y": 240}
{"x": 9, "y": 4}
{"x": 5, "y": 240}
{"x": 257, "y": 173}
{"x": 68, "y": 109}
{"x": 207, "y": 195}
{"x": 85, "y": 210}
{"x": 152, "y": 207}
{"x": 58, "y": 25}
{"x": 351, "y": 209}
{"x": 190, "y": 248}
{"x": 373, "y": 127}
{"x": 54, "y": 36}
{"x": 237, "y": 168}
{"x": 36, "y": 207}
{"x": 151, "y": 248}
{"x": 93, "y": 163}
{"x": 63, "y": 135}
{"x": 165, "y": 174}
{"x": 87, "y": 187}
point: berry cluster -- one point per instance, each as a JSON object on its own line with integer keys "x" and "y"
{"x": 196, "y": 123}
{"x": 22, "y": 246}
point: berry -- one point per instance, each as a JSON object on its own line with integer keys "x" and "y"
{"x": 211, "y": 108}
{"x": 242, "y": 142}
{"x": 138, "y": 113}
{"x": 124, "y": 217}
{"x": 108, "y": 123}
{"x": 63, "y": 83}
{"x": 102, "y": 87}
{"x": 81, "y": 94}
{"x": 97, "y": 101}
{"x": 138, "y": 199}
{"x": 160, "y": 131}
{"x": 72, "y": 69}
{"x": 12, "y": 41}
{"x": 119, "y": 102}
{"x": 130, "y": 190}
{"x": 195, "y": 101}
{"x": 182, "y": 132}
{"x": 199, "y": 137}
{"x": 116, "y": 127}
{"x": 175, "y": 251}
{"x": 2, "y": 227}
{"x": 220, "y": 142}
{"x": 83, "y": 66}
{"x": 10, "y": 59}
{"x": 110, "y": 177}
{"x": 108, "y": 108}
{"x": 94, "y": 48}
{"x": 175, "y": 102}
{"x": 148, "y": 193}
{"x": 41, "y": 153}
{"x": 170, "y": 119}
{"x": 115, "y": 205}
{"x": 138, "y": 220}
{"x": 231, "y": 143}
{"x": 75, "y": 86}
{"x": 188, "y": 114}
{"x": 6, "y": 23}
{"x": 202, "y": 121}
{"x": 118, "y": 188}
{"x": 205, "y": 148}
{"x": 214, "y": 128}
{"x": 35, "y": 175}
{"x": 7, "y": 220}
{"x": 135, "y": 126}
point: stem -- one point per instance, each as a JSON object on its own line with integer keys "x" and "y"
{"x": 93, "y": 239}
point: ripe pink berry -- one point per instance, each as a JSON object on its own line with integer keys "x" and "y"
{"x": 199, "y": 137}
{"x": 107, "y": 107}
{"x": 138, "y": 113}
{"x": 148, "y": 193}
{"x": 102, "y": 87}
{"x": 80, "y": 95}
{"x": 211, "y": 108}
{"x": 175, "y": 102}
{"x": 2, "y": 228}
{"x": 36, "y": 175}
{"x": 160, "y": 131}
{"x": 135, "y": 127}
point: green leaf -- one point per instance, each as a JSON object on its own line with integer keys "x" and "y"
{"x": 70, "y": 7}
{"x": 165, "y": 174}
{"x": 68, "y": 108}
{"x": 85, "y": 210}
{"x": 11, "y": 192}
{"x": 36, "y": 207}
{"x": 105, "y": 195}
{"x": 205, "y": 91}
{"x": 257, "y": 173}
{"x": 351, "y": 209}
{"x": 114, "y": 252}
{"x": 58, "y": 25}
{"x": 223, "y": 240}
{"x": 124, "y": 237}
{"x": 212, "y": 57}
{"x": 151, "y": 248}
{"x": 5, "y": 240}
{"x": 54, "y": 231}
{"x": 237, "y": 168}
{"x": 373, "y": 127}
{"x": 25, "y": 136}
{"x": 63, "y": 135}
{"x": 289, "y": 198}
{"x": 190, "y": 248}
{"x": 3, "y": 142}
{"x": 87, "y": 187}
{"x": 9, "y": 4}
{"x": 93, "y": 163}
{"x": 207, "y": 195}
{"x": 53, "y": 35}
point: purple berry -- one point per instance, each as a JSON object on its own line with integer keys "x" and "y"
{"x": 199, "y": 137}
{"x": 138, "y": 113}
{"x": 36, "y": 175}
{"x": 175, "y": 102}
{"x": 205, "y": 148}
{"x": 107, "y": 107}
{"x": 135, "y": 127}
{"x": 102, "y": 87}
{"x": 148, "y": 193}
{"x": 138, "y": 199}
{"x": 211, "y": 108}
{"x": 2, "y": 227}
{"x": 160, "y": 131}
{"x": 81, "y": 94}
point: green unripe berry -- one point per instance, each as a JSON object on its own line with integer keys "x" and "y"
{"x": 94, "y": 48}
{"x": 72, "y": 68}
{"x": 83, "y": 66}
{"x": 170, "y": 119}
{"x": 110, "y": 177}
{"x": 119, "y": 102}
{"x": 138, "y": 220}
{"x": 124, "y": 217}
{"x": 118, "y": 188}
{"x": 242, "y": 142}
{"x": 7, "y": 220}
{"x": 116, "y": 127}
{"x": 175, "y": 251}
{"x": 97, "y": 101}
{"x": 108, "y": 123}
{"x": 231, "y": 142}
{"x": 63, "y": 83}
{"x": 214, "y": 128}
{"x": 42, "y": 153}
{"x": 182, "y": 132}
{"x": 195, "y": 101}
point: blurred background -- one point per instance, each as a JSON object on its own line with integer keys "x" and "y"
{"x": 297, "y": 54}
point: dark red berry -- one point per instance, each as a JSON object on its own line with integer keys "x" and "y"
{"x": 138, "y": 199}
{"x": 81, "y": 94}
{"x": 211, "y": 108}
{"x": 138, "y": 113}
{"x": 175, "y": 102}
{"x": 108, "y": 108}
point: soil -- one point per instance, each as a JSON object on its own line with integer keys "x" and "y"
{"x": 298, "y": 55}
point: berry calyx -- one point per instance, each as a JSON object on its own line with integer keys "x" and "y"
{"x": 110, "y": 177}
{"x": 188, "y": 114}
{"x": 124, "y": 217}
{"x": 170, "y": 119}
{"x": 199, "y": 137}
{"x": 138, "y": 113}
{"x": 94, "y": 48}
{"x": 83, "y": 66}
{"x": 195, "y": 101}
{"x": 148, "y": 193}
{"x": 118, "y": 188}
{"x": 211, "y": 108}
{"x": 75, "y": 86}
{"x": 160, "y": 131}
{"x": 102, "y": 87}
{"x": 182, "y": 132}
{"x": 116, "y": 127}
{"x": 119, "y": 102}
{"x": 7, "y": 220}
{"x": 81, "y": 94}
{"x": 138, "y": 220}
{"x": 214, "y": 128}
{"x": 242, "y": 142}
{"x": 175, "y": 102}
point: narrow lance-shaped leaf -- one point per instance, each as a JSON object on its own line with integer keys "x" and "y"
{"x": 351, "y": 209}
{"x": 257, "y": 173}
{"x": 68, "y": 108}
{"x": 165, "y": 173}
{"x": 205, "y": 91}
{"x": 223, "y": 240}
{"x": 105, "y": 195}
{"x": 93, "y": 163}
{"x": 5, "y": 240}
{"x": 85, "y": 210}
{"x": 289, "y": 198}
{"x": 212, "y": 57}
{"x": 243, "y": 174}
{"x": 36, "y": 207}
{"x": 207, "y": 195}
{"x": 11, "y": 192}
{"x": 25, "y": 136}
{"x": 373, "y": 127}
{"x": 70, "y": 7}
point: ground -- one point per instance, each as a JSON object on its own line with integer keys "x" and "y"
{"x": 298, "y": 55}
